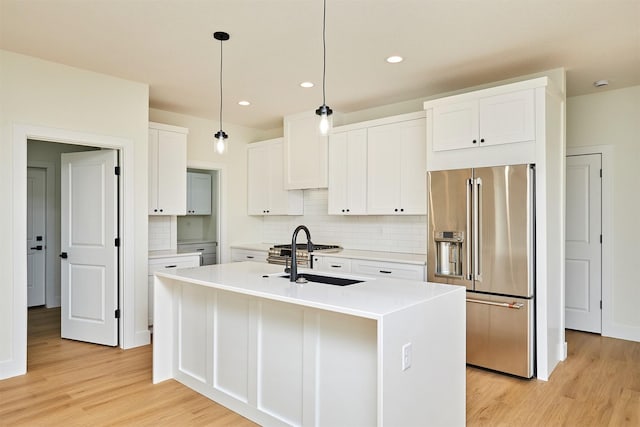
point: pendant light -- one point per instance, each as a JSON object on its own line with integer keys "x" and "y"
{"x": 324, "y": 111}
{"x": 221, "y": 136}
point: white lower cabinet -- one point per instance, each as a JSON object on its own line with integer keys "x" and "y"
{"x": 363, "y": 267}
{"x": 333, "y": 264}
{"x": 238, "y": 255}
{"x": 395, "y": 270}
{"x": 160, "y": 263}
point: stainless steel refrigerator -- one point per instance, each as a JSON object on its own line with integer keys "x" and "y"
{"x": 481, "y": 234}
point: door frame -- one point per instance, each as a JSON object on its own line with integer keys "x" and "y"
{"x": 51, "y": 233}
{"x": 20, "y": 135}
{"x": 222, "y": 255}
{"x": 607, "y": 153}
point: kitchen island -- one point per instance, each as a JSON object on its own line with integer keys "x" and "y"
{"x": 385, "y": 352}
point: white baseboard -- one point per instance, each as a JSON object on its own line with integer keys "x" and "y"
{"x": 623, "y": 332}
{"x": 11, "y": 368}
{"x": 140, "y": 338}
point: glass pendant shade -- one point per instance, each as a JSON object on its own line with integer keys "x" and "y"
{"x": 221, "y": 141}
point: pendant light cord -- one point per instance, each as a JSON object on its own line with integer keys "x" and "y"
{"x": 324, "y": 51}
{"x": 220, "y": 84}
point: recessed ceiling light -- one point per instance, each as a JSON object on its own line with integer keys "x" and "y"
{"x": 244, "y": 103}
{"x": 306, "y": 84}
{"x": 601, "y": 83}
{"x": 394, "y": 59}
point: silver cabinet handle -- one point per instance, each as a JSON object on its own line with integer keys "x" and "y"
{"x": 515, "y": 305}
{"x": 477, "y": 232}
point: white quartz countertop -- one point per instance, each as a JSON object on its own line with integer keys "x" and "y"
{"x": 373, "y": 298}
{"x": 418, "y": 259}
{"x": 200, "y": 240}
{"x": 170, "y": 253}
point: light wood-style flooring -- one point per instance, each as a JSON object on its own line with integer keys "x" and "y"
{"x": 72, "y": 383}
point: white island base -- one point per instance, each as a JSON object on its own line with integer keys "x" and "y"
{"x": 379, "y": 353}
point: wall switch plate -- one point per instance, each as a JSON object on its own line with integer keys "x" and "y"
{"x": 406, "y": 356}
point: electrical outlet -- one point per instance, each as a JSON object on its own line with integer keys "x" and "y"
{"x": 406, "y": 356}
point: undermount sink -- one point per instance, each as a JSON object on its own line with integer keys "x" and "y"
{"x": 338, "y": 281}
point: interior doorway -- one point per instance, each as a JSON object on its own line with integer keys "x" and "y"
{"x": 201, "y": 225}
{"x": 583, "y": 264}
{"x": 57, "y": 282}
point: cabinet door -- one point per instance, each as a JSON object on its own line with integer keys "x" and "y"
{"x": 153, "y": 172}
{"x": 383, "y": 170}
{"x": 455, "y": 126}
{"x": 198, "y": 194}
{"x": 348, "y": 173}
{"x": 305, "y": 152}
{"x": 413, "y": 170}
{"x": 281, "y": 201}
{"x": 172, "y": 173}
{"x": 257, "y": 180}
{"x": 338, "y": 164}
{"x": 397, "y": 169}
{"x": 507, "y": 118}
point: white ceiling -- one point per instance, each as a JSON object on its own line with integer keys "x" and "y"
{"x": 276, "y": 44}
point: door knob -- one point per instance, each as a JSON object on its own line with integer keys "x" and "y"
{"x": 37, "y": 248}
{"x": 63, "y": 255}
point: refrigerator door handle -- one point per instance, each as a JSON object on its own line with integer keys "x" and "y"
{"x": 477, "y": 232}
{"x": 468, "y": 235}
{"x": 514, "y": 305}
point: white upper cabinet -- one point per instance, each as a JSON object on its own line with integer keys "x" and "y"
{"x": 396, "y": 168}
{"x": 500, "y": 125}
{"x": 266, "y": 194}
{"x": 198, "y": 193}
{"x": 167, "y": 170}
{"x": 488, "y": 120}
{"x": 348, "y": 172}
{"x": 305, "y": 152}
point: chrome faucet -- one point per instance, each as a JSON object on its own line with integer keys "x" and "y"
{"x": 293, "y": 275}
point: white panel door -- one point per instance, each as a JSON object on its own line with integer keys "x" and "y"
{"x": 36, "y": 245}
{"x": 583, "y": 263}
{"x": 89, "y": 254}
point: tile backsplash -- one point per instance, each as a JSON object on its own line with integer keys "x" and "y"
{"x": 405, "y": 234}
{"x": 162, "y": 233}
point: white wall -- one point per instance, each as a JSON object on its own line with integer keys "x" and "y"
{"x": 613, "y": 118}
{"x": 43, "y": 94}
{"x": 236, "y": 226}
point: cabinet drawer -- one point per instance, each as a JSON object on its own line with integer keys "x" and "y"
{"x": 179, "y": 262}
{"x": 238, "y": 255}
{"x": 337, "y": 264}
{"x": 205, "y": 248}
{"x": 388, "y": 269}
